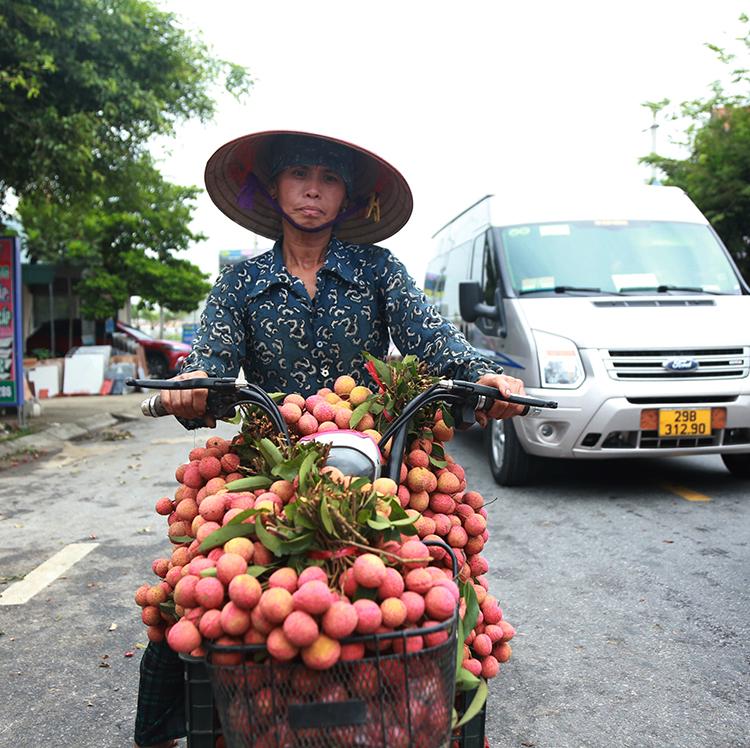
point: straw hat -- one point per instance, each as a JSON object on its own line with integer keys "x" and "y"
{"x": 239, "y": 173}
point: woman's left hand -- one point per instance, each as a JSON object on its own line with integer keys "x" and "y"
{"x": 501, "y": 408}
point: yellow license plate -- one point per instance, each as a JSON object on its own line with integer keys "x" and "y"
{"x": 685, "y": 422}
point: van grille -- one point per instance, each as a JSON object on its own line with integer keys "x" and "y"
{"x": 663, "y": 364}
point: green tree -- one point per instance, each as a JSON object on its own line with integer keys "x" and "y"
{"x": 716, "y": 172}
{"x": 85, "y": 84}
{"x": 124, "y": 240}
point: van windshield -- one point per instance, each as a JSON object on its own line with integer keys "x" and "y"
{"x": 628, "y": 257}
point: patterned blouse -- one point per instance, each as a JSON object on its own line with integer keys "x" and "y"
{"x": 262, "y": 318}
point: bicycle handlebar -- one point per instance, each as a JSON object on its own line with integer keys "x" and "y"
{"x": 234, "y": 393}
{"x": 224, "y": 394}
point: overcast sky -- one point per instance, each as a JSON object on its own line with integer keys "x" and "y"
{"x": 462, "y": 98}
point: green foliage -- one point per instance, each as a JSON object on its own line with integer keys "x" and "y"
{"x": 86, "y": 83}
{"x": 123, "y": 238}
{"x": 84, "y": 87}
{"x": 716, "y": 173}
{"x": 398, "y": 382}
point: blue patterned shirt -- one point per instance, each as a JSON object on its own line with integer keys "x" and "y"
{"x": 261, "y": 317}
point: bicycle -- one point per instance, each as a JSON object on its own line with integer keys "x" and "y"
{"x": 402, "y": 692}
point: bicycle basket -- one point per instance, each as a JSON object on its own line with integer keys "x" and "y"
{"x": 398, "y": 695}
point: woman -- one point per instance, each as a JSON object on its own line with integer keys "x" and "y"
{"x": 300, "y": 315}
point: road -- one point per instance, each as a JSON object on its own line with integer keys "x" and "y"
{"x": 627, "y": 583}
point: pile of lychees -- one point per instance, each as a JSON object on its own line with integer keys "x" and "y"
{"x": 238, "y": 573}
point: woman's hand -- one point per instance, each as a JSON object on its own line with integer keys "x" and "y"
{"x": 501, "y": 408}
{"x": 187, "y": 403}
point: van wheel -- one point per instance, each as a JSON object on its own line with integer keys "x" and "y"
{"x": 509, "y": 463}
{"x": 737, "y": 464}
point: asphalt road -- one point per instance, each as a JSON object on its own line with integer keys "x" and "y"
{"x": 631, "y": 602}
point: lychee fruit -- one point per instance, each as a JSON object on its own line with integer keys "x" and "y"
{"x": 369, "y": 570}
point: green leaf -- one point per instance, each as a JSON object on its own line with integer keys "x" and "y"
{"x": 394, "y": 533}
{"x": 383, "y": 371}
{"x": 305, "y": 468}
{"x": 238, "y": 519}
{"x": 276, "y": 396}
{"x": 301, "y": 521}
{"x": 397, "y": 511}
{"x": 438, "y": 463}
{"x": 363, "y": 515}
{"x": 183, "y": 539}
{"x": 357, "y": 484}
{"x": 404, "y": 521}
{"x": 472, "y": 606}
{"x": 168, "y": 606}
{"x": 480, "y": 697}
{"x": 209, "y": 572}
{"x": 325, "y": 516}
{"x": 256, "y": 570}
{"x": 288, "y": 470}
{"x": 229, "y": 531}
{"x": 271, "y": 453}
{"x": 460, "y": 649}
{"x": 359, "y": 413}
{"x": 379, "y": 524}
{"x": 466, "y": 681}
{"x": 251, "y": 482}
{"x": 299, "y": 544}
{"x": 269, "y": 541}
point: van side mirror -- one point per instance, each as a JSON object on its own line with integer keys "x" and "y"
{"x": 471, "y": 304}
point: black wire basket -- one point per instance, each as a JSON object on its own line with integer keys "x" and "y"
{"x": 395, "y": 696}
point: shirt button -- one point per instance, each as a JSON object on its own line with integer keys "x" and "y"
{"x": 319, "y": 344}
{"x": 324, "y": 371}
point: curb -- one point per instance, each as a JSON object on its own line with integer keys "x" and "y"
{"x": 52, "y": 439}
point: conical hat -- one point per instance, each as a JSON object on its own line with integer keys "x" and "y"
{"x": 378, "y": 187}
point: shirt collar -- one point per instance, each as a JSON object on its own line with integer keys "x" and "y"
{"x": 272, "y": 271}
{"x": 339, "y": 262}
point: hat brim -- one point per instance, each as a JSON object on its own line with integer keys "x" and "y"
{"x": 229, "y": 167}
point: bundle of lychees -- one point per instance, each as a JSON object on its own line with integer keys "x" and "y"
{"x": 273, "y": 547}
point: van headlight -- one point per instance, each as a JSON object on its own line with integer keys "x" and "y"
{"x": 560, "y": 364}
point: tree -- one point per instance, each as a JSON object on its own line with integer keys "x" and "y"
{"x": 85, "y": 84}
{"x": 175, "y": 285}
{"x": 716, "y": 173}
{"x": 123, "y": 240}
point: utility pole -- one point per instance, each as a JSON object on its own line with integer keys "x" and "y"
{"x": 654, "y": 127}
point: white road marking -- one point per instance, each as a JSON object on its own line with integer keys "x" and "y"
{"x": 37, "y": 579}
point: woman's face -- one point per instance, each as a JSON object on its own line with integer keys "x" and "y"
{"x": 310, "y": 195}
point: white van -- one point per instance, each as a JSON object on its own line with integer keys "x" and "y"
{"x": 623, "y": 306}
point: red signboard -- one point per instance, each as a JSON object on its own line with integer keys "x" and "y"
{"x": 11, "y": 361}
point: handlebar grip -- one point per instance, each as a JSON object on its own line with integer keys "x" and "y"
{"x": 152, "y": 407}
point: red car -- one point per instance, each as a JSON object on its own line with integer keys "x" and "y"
{"x": 164, "y": 357}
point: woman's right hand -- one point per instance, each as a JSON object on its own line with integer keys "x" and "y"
{"x": 187, "y": 403}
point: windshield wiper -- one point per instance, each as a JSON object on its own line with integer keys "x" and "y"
{"x": 665, "y": 287}
{"x": 567, "y": 289}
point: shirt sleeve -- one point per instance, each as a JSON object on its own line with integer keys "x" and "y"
{"x": 219, "y": 345}
{"x": 418, "y": 328}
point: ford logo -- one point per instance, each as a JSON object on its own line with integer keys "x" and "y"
{"x": 681, "y": 364}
